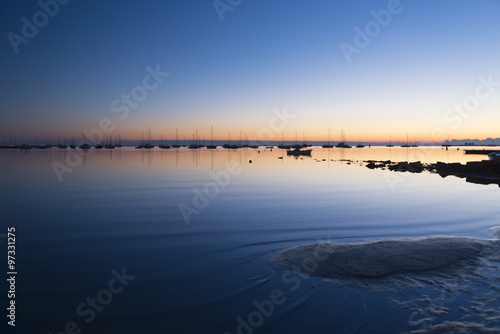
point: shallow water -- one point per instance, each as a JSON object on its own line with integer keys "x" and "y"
{"x": 120, "y": 209}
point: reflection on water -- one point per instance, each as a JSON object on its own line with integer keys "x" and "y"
{"x": 120, "y": 208}
{"x": 202, "y": 156}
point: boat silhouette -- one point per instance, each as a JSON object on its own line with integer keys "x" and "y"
{"x": 212, "y": 146}
{"x": 329, "y": 145}
{"x": 298, "y": 151}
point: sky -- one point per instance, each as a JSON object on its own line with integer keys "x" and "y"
{"x": 379, "y": 70}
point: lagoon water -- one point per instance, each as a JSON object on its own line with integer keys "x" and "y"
{"x": 208, "y": 271}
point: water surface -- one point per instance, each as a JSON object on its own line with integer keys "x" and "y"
{"x": 121, "y": 209}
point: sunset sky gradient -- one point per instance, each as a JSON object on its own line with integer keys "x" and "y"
{"x": 263, "y": 56}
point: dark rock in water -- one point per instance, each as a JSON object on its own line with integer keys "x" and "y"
{"x": 413, "y": 167}
{"x": 480, "y": 172}
{"x": 379, "y": 258}
{"x": 390, "y": 264}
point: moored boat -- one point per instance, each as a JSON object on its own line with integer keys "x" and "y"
{"x": 163, "y": 146}
{"x": 494, "y": 156}
{"x": 298, "y": 151}
{"x": 329, "y": 145}
{"x": 342, "y": 143}
{"x": 212, "y": 146}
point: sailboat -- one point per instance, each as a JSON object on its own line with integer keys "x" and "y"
{"x": 148, "y": 143}
{"x": 297, "y": 149}
{"x": 176, "y": 145}
{"x": 360, "y": 145}
{"x": 229, "y": 144}
{"x": 244, "y": 143}
{"x": 304, "y": 143}
{"x": 296, "y": 145}
{"x": 407, "y": 144}
{"x": 72, "y": 145}
{"x": 415, "y": 143}
{"x": 196, "y": 143}
{"x": 119, "y": 144}
{"x": 141, "y": 144}
{"x": 390, "y": 143}
{"x": 342, "y": 143}
{"x": 110, "y": 144}
{"x": 283, "y": 146}
{"x": 212, "y": 146}
{"x": 329, "y": 145}
{"x": 84, "y": 146}
{"x": 62, "y": 146}
{"x": 165, "y": 147}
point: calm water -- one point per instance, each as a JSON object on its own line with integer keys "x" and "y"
{"x": 121, "y": 210}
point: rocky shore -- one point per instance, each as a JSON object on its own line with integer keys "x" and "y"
{"x": 481, "y": 172}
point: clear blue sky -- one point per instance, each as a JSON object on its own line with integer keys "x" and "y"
{"x": 264, "y": 55}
